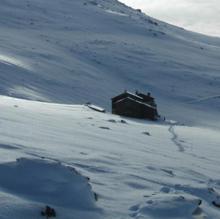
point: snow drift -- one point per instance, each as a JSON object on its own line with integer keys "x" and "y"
{"x": 47, "y": 182}
{"x": 28, "y": 185}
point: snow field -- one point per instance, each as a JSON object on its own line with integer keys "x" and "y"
{"x": 126, "y": 166}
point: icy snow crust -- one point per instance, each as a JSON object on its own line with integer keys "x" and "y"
{"x": 78, "y": 51}
{"x": 138, "y": 169}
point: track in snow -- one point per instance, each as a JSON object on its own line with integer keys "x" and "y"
{"x": 205, "y": 99}
{"x": 175, "y": 139}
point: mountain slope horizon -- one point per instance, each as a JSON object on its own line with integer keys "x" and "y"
{"x": 90, "y": 50}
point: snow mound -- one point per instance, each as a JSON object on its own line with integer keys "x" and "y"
{"x": 208, "y": 194}
{"x": 166, "y": 206}
{"x": 47, "y": 182}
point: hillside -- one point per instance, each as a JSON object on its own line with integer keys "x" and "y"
{"x": 56, "y": 152}
{"x": 90, "y": 50}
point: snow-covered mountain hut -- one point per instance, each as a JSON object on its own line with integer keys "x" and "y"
{"x": 136, "y": 105}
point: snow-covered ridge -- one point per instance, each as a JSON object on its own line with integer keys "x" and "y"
{"x": 80, "y": 51}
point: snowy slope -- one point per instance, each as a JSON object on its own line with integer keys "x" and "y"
{"x": 92, "y": 165}
{"x": 90, "y": 50}
{"x": 138, "y": 169}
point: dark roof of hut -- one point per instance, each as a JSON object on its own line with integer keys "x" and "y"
{"x": 136, "y": 101}
{"x": 127, "y": 94}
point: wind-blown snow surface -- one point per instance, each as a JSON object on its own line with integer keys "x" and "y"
{"x": 138, "y": 169}
{"x": 74, "y": 51}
